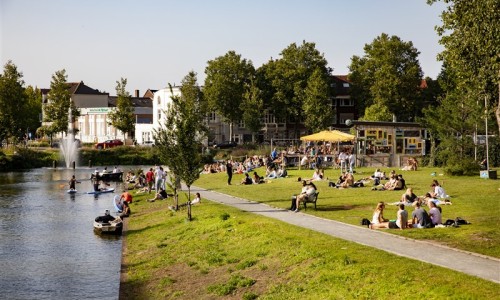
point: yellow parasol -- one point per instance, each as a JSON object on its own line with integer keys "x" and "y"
{"x": 329, "y": 135}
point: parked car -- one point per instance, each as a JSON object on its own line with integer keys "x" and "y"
{"x": 108, "y": 144}
{"x": 225, "y": 145}
{"x": 148, "y": 144}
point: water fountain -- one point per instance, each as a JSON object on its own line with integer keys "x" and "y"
{"x": 69, "y": 146}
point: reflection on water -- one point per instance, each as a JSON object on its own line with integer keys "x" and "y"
{"x": 48, "y": 249}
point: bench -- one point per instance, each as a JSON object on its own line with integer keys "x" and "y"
{"x": 312, "y": 199}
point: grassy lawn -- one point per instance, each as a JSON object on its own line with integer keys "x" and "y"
{"x": 474, "y": 199}
{"x": 224, "y": 253}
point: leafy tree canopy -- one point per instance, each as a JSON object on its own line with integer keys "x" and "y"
{"x": 12, "y": 102}
{"x": 470, "y": 34}
{"x": 122, "y": 118}
{"x": 389, "y": 75}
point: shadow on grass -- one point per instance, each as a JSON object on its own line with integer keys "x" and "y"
{"x": 141, "y": 230}
{"x": 336, "y": 207}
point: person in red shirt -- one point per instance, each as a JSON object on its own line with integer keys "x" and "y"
{"x": 126, "y": 197}
{"x": 150, "y": 177}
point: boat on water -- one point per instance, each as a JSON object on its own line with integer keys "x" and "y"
{"x": 108, "y": 224}
{"x": 102, "y": 191}
{"x": 111, "y": 176}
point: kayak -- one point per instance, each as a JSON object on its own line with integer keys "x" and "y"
{"x": 72, "y": 191}
{"x": 117, "y": 203}
{"x": 106, "y": 190}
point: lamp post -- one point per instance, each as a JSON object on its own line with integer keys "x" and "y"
{"x": 486, "y": 132}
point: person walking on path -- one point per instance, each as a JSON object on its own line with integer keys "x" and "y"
{"x": 229, "y": 170}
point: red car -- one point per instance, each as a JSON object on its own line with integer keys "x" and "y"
{"x": 108, "y": 144}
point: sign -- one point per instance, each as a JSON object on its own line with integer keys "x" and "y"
{"x": 95, "y": 110}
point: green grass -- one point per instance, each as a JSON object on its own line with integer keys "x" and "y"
{"x": 474, "y": 199}
{"x": 228, "y": 254}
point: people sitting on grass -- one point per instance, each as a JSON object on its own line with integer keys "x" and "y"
{"x": 317, "y": 175}
{"x": 246, "y": 179}
{"x": 420, "y": 217}
{"x": 256, "y": 179}
{"x": 162, "y": 194}
{"x": 434, "y": 213}
{"x": 378, "y": 220}
{"x": 437, "y": 190}
{"x": 308, "y": 190}
{"x": 282, "y": 173}
{"x": 409, "y": 197}
{"x": 271, "y": 172}
{"x": 348, "y": 181}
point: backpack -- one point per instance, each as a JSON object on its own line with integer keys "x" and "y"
{"x": 365, "y": 222}
{"x": 427, "y": 221}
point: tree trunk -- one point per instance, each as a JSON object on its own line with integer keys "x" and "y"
{"x": 497, "y": 113}
{"x": 231, "y": 131}
{"x": 189, "y": 203}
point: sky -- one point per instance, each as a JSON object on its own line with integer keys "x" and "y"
{"x": 152, "y": 43}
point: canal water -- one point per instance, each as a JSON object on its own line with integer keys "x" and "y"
{"x": 48, "y": 249}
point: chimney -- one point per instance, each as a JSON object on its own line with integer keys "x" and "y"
{"x": 137, "y": 93}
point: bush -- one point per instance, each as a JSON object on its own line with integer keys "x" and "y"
{"x": 465, "y": 167}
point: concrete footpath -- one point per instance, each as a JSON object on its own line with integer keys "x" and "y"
{"x": 470, "y": 263}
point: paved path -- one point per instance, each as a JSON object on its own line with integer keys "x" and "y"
{"x": 470, "y": 263}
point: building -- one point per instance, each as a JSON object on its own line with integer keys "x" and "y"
{"x": 92, "y": 125}
{"x": 388, "y": 144}
{"x": 273, "y": 129}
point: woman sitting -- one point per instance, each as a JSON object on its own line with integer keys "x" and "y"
{"x": 409, "y": 197}
{"x": 378, "y": 220}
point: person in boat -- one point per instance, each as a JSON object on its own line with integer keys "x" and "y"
{"x": 72, "y": 183}
{"x": 106, "y": 218}
{"x": 96, "y": 182}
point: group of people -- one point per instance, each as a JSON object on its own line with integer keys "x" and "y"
{"x": 420, "y": 218}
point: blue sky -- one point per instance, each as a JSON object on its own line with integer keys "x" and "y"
{"x": 153, "y": 43}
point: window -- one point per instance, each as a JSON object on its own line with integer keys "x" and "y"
{"x": 159, "y": 115}
{"x": 344, "y": 117}
{"x": 212, "y": 117}
{"x": 269, "y": 117}
{"x": 346, "y": 102}
{"x": 158, "y": 98}
{"x": 334, "y": 102}
{"x": 345, "y": 84}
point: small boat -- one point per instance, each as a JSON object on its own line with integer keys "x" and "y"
{"x": 110, "y": 176}
{"x": 108, "y": 224}
{"x": 117, "y": 203}
{"x": 72, "y": 191}
{"x": 102, "y": 191}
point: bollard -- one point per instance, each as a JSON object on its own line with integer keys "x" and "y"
{"x": 54, "y": 164}
{"x": 74, "y": 165}
{"x": 90, "y": 163}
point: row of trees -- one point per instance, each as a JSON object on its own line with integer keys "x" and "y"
{"x": 20, "y": 107}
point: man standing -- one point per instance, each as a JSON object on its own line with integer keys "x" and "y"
{"x": 229, "y": 170}
{"x": 150, "y": 179}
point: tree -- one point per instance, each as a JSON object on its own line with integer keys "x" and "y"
{"x": 252, "y": 107}
{"x": 289, "y": 77}
{"x": 33, "y": 108}
{"x": 389, "y": 75}
{"x": 317, "y": 103}
{"x": 122, "y": 118}
{"x": 469, "y": 33}
{"x": 226, "y": 78}
{"x": 179, "y": 137}
{"x": 12, "y": 102}
{"x": 59, "y": 104}
{"x": 454, "y": 121}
